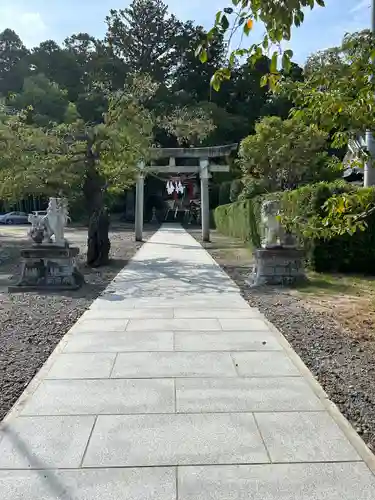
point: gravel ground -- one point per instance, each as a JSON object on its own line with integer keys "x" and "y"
{"x": 31, "y": 324}
{"x": 342, "y": 360}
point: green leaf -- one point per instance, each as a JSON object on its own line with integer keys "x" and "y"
{"x": 211, "y": 34}
{"x": 264, "y": 81}
{"x": 225, "y": 73}
{"x": 286, "y": 64}
{"x": 203, "y": 56}
{"x": 273, "y": 65}
{"x": 320, "y": 3}
{"x": 224, "y": 23}
{"x": 198, "y": 50}
{"x": 218, "y": 17}
{"x": 228, "y": 10}
{"x": 215, "y": 82}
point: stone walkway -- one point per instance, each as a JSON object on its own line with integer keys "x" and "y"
{"x": 171, "y": 387}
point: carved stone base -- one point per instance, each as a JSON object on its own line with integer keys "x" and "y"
{"x": 48, "y": 267}
{"x": 277, "y": 266}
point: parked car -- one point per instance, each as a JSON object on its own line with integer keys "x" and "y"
{"x": 14, "y": 218}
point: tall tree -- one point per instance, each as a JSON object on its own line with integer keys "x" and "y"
{"x": 13, "y": 66}
{"x": 145, "y": 36}
{"x": 45, "y": 100}
{"x": 97, "y": 61}
{"x": 191, "y": 75}
{"x": 34, "y": 160}
{"x": 58, "y": 65}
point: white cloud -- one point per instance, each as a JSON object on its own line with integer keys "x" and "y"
{"x": 27, "y": 24}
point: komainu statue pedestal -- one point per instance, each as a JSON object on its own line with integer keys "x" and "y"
{"x": 48, "y": 267}
{"x": 278, "y": 266}
{"x": 49, "y": 264}
{"x": 279, "y": 261}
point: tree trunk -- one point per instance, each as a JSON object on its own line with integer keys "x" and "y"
{"x": 98, "y": 244}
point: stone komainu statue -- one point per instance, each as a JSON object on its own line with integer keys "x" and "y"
{"x": 274, "y": 235}
{"x": 271, "y": 227}
{"x": 52, "y": 224}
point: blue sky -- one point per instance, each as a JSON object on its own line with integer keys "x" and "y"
{"x": 38, "y": 20}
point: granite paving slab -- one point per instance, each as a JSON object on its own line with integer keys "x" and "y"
{"x": 174, "y": 324}
{"x": 304, "y": 437}
{"x": 340, "y": 481}
{"x": 154, "y": 440}
{"x": 245, "y": 394}
{"x": 153, "y": 313}
{"x": 247, "y": 325}
{"x": 95, "y": 397}
{"x": 173, "y": 364}
{"x": 100, "y": 325}
{"x": 226, "y": 341}
{"x": 82, "y": 366}
{"x": 250, "y": 312}
{"x": 115, "y": 342}
{"x": 89, "y": 484}
{"x": 264, "y": 364}
{"x": 45, "y": 442}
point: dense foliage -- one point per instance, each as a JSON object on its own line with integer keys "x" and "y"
{"x": 337, "y": 93}
{"x": 89, "y": 126}
{"x": 62, "y": 158}
{"x": 238, "y": 220}
{"x": 67, "y": 81}
{"x": 304, "y": 209}
{"x": 284, "y": 154}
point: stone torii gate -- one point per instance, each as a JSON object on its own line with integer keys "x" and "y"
{"x": 204, "y": 164}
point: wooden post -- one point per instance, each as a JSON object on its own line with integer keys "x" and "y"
{"x": 139, "y": 202}
{"x": 205, "y": 199}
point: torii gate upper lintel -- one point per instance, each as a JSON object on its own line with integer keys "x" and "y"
{"x": 204, "y": 168}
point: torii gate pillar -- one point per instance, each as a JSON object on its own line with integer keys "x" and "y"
{"x": 205, "y": 198}
{"x": 206, "y": 156}
{"x": 139, "y": 202}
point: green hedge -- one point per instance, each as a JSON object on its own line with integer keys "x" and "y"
{"x": 343, "y": 254}
{"x": 240, "y": 220}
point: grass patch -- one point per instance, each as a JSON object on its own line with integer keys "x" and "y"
{"x": 233, "y": 251}
{"x": 327, "y": 283}
{"x": 350, "y": 300}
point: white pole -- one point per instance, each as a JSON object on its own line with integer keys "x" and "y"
{"x": 369, "y": 174}
{"x": 205, "y": 199}
{"x": 139, "y": 202}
